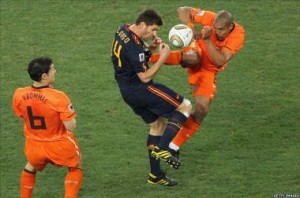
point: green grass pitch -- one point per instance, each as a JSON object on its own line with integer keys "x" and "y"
{"x": 248, "y": 145}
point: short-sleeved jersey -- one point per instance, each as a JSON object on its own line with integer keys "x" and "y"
{"x": 43, "y": 110}
{"x": 128, "y": 57}
{"x": 233, "y": 42}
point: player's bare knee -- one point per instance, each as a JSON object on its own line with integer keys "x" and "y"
{"x": 30, "y": 168}
{"x": 201, "y": 110}
{"x": 157, "y": 127}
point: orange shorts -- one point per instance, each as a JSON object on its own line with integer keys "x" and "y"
{"x": 64, "y": 152}
{"x": 203, "y": 83}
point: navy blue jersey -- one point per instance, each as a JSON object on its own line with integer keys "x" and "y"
{"x": 148, "y": 100}
{"x": 128, "y": 56}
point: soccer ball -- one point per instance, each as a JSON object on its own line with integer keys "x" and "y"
{"x": 180, "y": 36}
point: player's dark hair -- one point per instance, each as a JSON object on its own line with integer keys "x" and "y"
{"x": 150, "y": 17}
{"x": 38, "y": 66}
{"x": 225, "y": 17}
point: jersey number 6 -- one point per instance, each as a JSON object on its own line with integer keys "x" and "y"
{"x": 34, "y": 119}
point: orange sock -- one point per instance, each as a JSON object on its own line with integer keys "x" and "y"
{"x": 73, "y": 182}
{"x": 173, "y": 59}
{"x": 188, "y": 130}
{"x": 27, "y": 184}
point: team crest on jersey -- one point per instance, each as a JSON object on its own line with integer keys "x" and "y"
{"x": 71, "y": 108}
{"x": 201, "y": 13}
{"x": 142, "y": 57}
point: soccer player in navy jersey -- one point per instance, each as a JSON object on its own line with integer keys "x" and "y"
{"x": 152, "y": 101}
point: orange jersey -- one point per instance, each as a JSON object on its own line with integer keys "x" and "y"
{"x": 43, "y": 111}
{"x": 233, "y": 42}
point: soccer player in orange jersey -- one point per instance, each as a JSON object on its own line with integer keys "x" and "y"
{"x": 49, "y": 119}
{"x": 218, "y": 41}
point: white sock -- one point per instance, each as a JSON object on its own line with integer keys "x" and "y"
{"x": 173, "y": 146}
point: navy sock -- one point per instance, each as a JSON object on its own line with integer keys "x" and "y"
{"x": 152, "y": 141}
{"x": 175, "y": 122}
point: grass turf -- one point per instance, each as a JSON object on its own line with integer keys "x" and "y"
{"x": 248, "y": 145}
